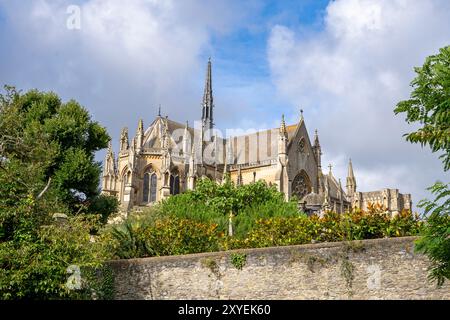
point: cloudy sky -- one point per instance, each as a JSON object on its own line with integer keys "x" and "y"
{"x": 346, "y": 63}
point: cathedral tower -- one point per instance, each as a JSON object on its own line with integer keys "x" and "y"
{"x": 317, "y": 150}
{"x": 351, "y": 181}
{"x": 208, "y": 103}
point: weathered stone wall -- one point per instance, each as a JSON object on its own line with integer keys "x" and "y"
{"x": 370, "y": 269}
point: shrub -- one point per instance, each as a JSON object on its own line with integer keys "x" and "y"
{"x": 170, "y": 236}
{"x": 104, "y": 205}
{"x": 356, "y": 225}
{"x": 276, "y": 231}
{"x": 435, "y": 240}
{"x": 197, "y": 221}
{"x": 39, "y": 269}
{"x": 147, "y": 235}
{"x": 212, "y": 203}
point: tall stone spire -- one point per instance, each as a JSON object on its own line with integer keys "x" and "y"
{"x": 317, "y": 150}
{"x": 124, "y": 144}
{"x": 109, "y": 163}
{"x": 281, "y": 176}
{"x": 351, "y": 181}
{"x": 208, "y": 103}
{"x": 316, "y": 139}
{"x": 186, "y": 142}
{"x": 165, "y": 134}
{"x": 282, "y": 140}
{"x": 140, "y": 136}
{"x": 283, "y": 126}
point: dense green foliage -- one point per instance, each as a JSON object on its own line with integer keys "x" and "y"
{"x": 59, "y": 139}
{"x": 435, "y": 240}
{"x": 153, "y": 233}
{"x": 38, "y": 267}
{"x": 429, "y": 105}
{"x": 47, "y": 166}
{"x": 357, "y": 225}
{"x": 147, "y": 235}
{"x": 212, "y": 202}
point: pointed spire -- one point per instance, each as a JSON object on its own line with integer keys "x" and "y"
{"x": 282, "y": 141}
{"x": 186, "y": 142}
{"x": 124, "y": 142}
{"x": 208, "y": 101}
{"x": 316, "y": 139}
{"x": 165, "y": 134}
{"x": 159, "y": 111}
{"x": 108, "y": 164}
{"x": 317, "y": 151}
{"x": 140, "y": 136}
{"x": 350, "y": 169}
{"x": 351, "y": 181}
{"x": 326, "y": 203}
{"x": 283, "y": 130}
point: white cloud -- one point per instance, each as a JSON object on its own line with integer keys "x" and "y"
{"x": 124, "y": 60}
{"x": 349, "y": 76}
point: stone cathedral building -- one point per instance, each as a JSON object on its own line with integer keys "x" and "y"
{"x": 169, "y": 157}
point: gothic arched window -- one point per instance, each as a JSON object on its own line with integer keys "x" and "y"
{"x": 301, "y": 185}
{"x": 153, "y": 188}
{"x": 149, "y": 190}
{"x": 301, "y": 145}
{"x": 174, "y": 184}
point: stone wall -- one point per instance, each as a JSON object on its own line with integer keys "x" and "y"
{"x": 369, "y": 269}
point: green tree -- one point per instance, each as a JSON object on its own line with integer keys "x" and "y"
{"x": 233, "y": 208}
{"x": 56, "y": 142}
{"x": 435, "y": 240}
{"x": 47, "y": 166}
{"x": 429, "y": 106}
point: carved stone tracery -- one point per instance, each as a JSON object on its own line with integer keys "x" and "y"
{"x": 301, "y": 185}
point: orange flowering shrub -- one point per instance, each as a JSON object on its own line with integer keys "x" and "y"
{"x": 356, "y": 225}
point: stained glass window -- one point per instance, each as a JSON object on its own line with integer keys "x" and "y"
{"x": 301, "y": 185}
{"x": 146, "y": 187}
{"x": 153, "y": 188}
{"x": 174, "y": 184}
{"x": 149, "y": 190}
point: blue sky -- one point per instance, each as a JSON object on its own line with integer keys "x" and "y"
{"x": 346, "y": 63}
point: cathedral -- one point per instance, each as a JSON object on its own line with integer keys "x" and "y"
{"x": 169, "y": 157}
